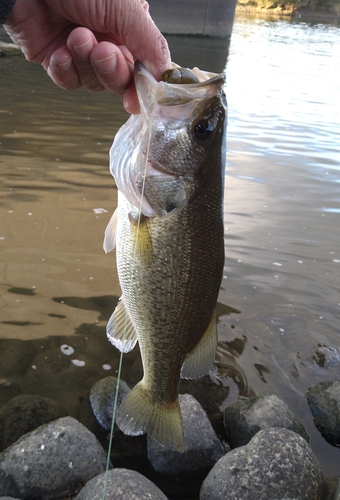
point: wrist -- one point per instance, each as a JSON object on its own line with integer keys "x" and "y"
{"x": 6, "y": 7}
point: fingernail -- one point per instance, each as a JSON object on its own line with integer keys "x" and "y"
{"x": 106, "y": 65}
{"x": 83, "y": 50}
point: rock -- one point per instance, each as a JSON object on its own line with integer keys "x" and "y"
{"x": 25, "y": 413}
{"x": 244, "y": 418}
{"x": 336, "y": 494}
{"x": 51, "y": 461}
{"x": 277, "y": 463}
{"x": 69, "y": 377}
{"x": 326, "y": 356}
{"x": 102, "y": 399}
{"x": 8, "y": 391}
{"x": 8, "y": 498}
{"x": 202, "y": 447}
{"x": 16, "y": 357}
{"x": 121, "y": 484}
{"x": 55, "y": 368}
{"x": 324, "y": 402}
{"x": 209, "y": 391}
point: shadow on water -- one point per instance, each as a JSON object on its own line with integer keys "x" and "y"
{"x": 64, "y": 368}
{"x": 204, "y": 52}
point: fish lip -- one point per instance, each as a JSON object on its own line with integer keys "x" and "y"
{"x": 156, "y": 167}
{"x": 217, "y": 79}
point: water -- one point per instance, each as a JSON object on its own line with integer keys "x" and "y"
{"x": 279, "y": 296}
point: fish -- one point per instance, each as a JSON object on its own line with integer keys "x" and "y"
{"x": 168, "y": 163}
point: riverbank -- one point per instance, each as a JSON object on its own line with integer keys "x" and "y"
{"x": 307, "y": 8}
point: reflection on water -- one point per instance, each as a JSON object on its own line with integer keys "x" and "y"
{"x": 279, "y": 302}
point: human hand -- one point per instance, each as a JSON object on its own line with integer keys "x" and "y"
{"x": 90, "y": 43}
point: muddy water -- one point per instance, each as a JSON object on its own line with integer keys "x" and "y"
{"x": 279, "y": 296}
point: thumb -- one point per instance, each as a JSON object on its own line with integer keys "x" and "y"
{"x": 143, "y": 39}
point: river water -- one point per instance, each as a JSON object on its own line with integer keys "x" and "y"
{"x": 280, "y": 294}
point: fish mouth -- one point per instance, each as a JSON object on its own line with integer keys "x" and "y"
{"x": 172, "y": 94}
{"x": 156, "y": 168}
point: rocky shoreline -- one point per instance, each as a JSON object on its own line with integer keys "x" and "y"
{"x": 263, "y": 452}
{"x": 287, "y": 10}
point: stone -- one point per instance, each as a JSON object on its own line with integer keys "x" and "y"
{"x": 336, "y": 494}
{"x": 244, "y": 418}
{"x": 16, "y": 357}
{"x": 25, "y": 413}
{"x": 54, "y": 368}
{"x": 277, "y": 463}
{"x": 52, "y": 461}
{"x": 324, "y": 402}
{"x": 121, "y": 483}
{"x": 8, "y": 498}
{"x": 326, "y": 356}
{"x": 102, "y": 399}
{"x": 202, "y": 447}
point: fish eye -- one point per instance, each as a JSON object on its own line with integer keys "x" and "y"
{"x": 203, "y": 130}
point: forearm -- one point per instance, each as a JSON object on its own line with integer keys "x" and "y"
{"x": 6, "y": 7}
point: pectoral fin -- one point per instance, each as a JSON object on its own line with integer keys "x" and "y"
{"x": 120, "y": 330}
{"x": 142, "y": 238}
{"x": 110, "y": 233}
{"x": 200, "y": 360}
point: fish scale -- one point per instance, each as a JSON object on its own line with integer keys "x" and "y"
{"x": 170, "y": 255}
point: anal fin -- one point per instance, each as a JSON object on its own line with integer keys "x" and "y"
{"x": 120, "y": 330}
{"x": 200, "y": 360}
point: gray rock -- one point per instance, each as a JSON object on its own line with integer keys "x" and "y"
{"x": 8, "y": 498}
{"x": 16, "y": 357}
{"x": 25, "y": 413}
{"x": 102, "y": 399}
{"x": 277, "y": 463}
{"x": 244, "y": 418}
{"x": 51, "y": 461}
{"x": 326, "y": 356}
{"x": 121, "y": 484}
{"x": 324, "y": 402}
{"x": 54, "y": 368}
{"x": 202, "y": 447}
{"x": 337, "y": 492}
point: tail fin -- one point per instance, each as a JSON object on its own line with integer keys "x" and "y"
{"x": 139, "y": 413}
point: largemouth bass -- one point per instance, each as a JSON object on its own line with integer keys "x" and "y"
{"x": 168, "y": 163}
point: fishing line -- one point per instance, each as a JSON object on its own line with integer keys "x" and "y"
{"x": 126, "y": 318}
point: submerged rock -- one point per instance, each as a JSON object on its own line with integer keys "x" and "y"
{"x": 51, "y": 461}
{"x": 25, "y": 413}
{"x": 326, "y": 356}
{"x": 102, "y": 399}
{"x": 202, "y": 447}
{"x": 16, "y": 357}
{"x": 8, "y": 498}
{"x": 324, "y": 402}
{"x": 244, "y": 418}
{"x": 277, "y": 463}
{"x": 121, "y": 484}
